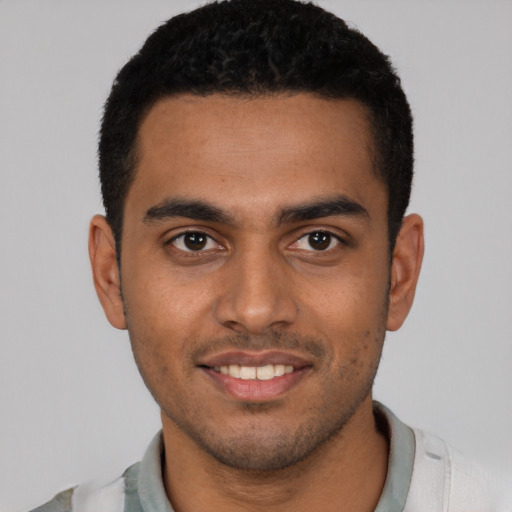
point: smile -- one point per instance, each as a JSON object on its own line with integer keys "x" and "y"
{"x": 267, "y": 372}
{"x": 255, "y": 376}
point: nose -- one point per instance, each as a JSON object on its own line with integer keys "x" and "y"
{"x": 257, "y": 294}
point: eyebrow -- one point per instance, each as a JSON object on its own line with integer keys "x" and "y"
{"x": 191, "y": 209}
{"x": 204, "y": 211}
{"x": 339, "y": 205}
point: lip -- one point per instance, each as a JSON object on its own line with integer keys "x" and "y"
{"x": 262, "y": 358}
{"x": 256, "y": 391}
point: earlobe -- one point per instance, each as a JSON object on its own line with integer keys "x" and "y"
{"x": 405, "y": 270}
{"x": 105, "y": 271}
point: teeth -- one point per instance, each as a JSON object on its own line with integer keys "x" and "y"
{"x": 247, "y": 372}
{"x": 279, "y": 370}
{"x": 233, "y": 370}
{"x": 266, "y": 372}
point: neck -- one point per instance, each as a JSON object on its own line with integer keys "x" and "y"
{"x": 346, "y": 473}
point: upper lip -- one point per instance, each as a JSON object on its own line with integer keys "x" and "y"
{"x": 248, "y": 358}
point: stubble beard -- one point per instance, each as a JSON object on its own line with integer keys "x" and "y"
{"x": 274, "y": 451}
{"x": 263, "y": 450}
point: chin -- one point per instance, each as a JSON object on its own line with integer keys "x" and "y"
{"x": 260, "y": 449}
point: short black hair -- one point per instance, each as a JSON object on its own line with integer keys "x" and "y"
{"x": 257, "y": 47}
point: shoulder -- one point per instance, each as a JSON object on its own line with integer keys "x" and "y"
{"x": 450, "y": 482}
{"x": 60, "y": 503}
{"x": 94, "y": 497}
{"x": 141, "y": 482}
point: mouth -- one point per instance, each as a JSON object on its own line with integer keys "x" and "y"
{"x": 255, "y": 377}
{"x": 267, "y": 372}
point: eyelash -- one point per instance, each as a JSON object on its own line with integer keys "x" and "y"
{"x": 333, "y": 237}
{"x": 182, "y": 236}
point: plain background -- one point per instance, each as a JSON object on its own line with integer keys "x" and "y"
{"x": 72, "y": 406}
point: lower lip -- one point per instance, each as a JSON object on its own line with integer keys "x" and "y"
{"x": 256, "y": 390}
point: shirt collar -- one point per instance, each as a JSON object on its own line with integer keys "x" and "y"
{"x": 400, "y": 462}
{"x": 152, "y": 494}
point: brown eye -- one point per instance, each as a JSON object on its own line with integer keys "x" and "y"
{"x": 195, "y": 241}
{"x": 320, "y": 240}
{"x": 317, "y": 241}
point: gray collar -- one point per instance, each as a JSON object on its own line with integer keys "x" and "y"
{"x": 400, "y": 463}
{"x": 145, "y": 488}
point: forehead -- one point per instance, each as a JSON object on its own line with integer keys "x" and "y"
{"x": 253, "y": 152}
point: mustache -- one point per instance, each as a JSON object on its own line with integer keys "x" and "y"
{"x": 270, "y": 341}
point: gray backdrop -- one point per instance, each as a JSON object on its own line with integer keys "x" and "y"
{"x": 71, "y": 402}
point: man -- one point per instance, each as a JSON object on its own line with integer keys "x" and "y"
{"x": 256, "y": 165}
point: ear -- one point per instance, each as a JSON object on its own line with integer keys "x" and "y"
{"x": 405, "y": 270}
{"x": 105, "y": 272}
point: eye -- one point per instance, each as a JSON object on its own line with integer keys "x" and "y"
{"x": 194, "y": 241}
{"x": 317, "y": 241}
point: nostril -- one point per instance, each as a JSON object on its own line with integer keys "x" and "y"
{"x": 235, "y": 326}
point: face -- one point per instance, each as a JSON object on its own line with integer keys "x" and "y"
{"x": 255, "y": 271}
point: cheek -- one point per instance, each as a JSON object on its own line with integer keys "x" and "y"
{"x": 365, "y": 352}
{"x": 349, "y": 301}
{"x": 164, "y": 316}
{"x": 351, "y": 311}
{"x": 157, "y": 293}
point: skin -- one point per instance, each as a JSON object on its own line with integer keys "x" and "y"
{"x": 260, "y": 290}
